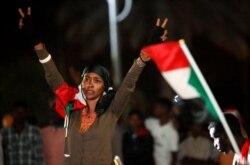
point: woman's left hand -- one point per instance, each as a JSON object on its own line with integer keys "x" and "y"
{"x": 159, "y": 35}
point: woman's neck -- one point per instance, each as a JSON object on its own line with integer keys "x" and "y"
{"x": 92, "y": 105}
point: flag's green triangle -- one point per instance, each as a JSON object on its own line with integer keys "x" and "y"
{"x": 194, "y": 81}
{"x": 69, "y": 108}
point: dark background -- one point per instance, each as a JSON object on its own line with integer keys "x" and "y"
{"x": 76, "y": 33}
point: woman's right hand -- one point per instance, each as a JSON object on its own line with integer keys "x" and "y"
{"x": 24, "y": 16}
{"x": 26, "y": 25}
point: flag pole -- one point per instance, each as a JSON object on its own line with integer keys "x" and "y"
{"x": 210, "y": 95}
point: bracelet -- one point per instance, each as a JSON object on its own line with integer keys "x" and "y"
{"x": 142, "y": 59}
{"x": 45, "y": 60}
{"x": 139, "y": 62}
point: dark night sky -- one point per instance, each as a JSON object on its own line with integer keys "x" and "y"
{"x": 76, "y": 32}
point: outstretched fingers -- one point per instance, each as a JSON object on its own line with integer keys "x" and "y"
{"x": 158, "y": 22}
{"x": 29, "y": 11}
{"x": 20, "y": 22}
{"x": 23, "y": 15}
{"x": 164, "y": 24}
{"x": 20, "y": 11}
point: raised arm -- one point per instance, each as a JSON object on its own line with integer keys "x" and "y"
{"x": 65, "y": 94}
{"x": 52, "y": 74}
{"x": 129, "y": 82}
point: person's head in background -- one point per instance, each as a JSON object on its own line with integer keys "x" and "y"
{"x": 135, "y": 119}
{"x": 219, "y": 135}
{"x": 241, "y": 119}
{"x": 7, "y": 120}
{"x": 196, "y": 129}
{"x": 162, "y": 108}
{"x": 19, "y": 113}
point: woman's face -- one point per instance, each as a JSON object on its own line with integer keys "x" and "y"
{"x": 93, "y": 86}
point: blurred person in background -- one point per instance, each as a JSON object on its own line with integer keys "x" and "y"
{"x": 165, "y": 134}
{"x": 7, "y": 120}
{"x": 53, "y": 136}
{"x": 22, "y": 143}
{"x": 222, "y": 142}
{"x": 225, "y": 159}
{"x": 196, "y": 148}
{"x": 137, "y": 142}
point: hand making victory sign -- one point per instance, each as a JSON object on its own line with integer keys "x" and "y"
{"x": 163, "y": 26}
{"x": 158, "y": 35}
{"x": 23, "y": 15}
{"x": 25, "y": 23}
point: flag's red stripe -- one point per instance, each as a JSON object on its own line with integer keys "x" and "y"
{"x": 167, "y": 56}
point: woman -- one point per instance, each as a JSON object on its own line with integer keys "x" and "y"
{"x": 92, "y": 110}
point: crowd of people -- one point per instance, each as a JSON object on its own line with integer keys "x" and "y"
{"x": 148, "y": 140}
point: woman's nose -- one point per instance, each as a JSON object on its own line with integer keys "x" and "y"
{"x": 90, "y": 83}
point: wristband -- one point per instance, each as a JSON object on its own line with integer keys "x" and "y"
{"x": 140, "y": 63}
{"x": 47, "y": 59}
{"x": 142, "y": 59}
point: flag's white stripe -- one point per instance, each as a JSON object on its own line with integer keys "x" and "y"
{"x": 178, "y": 80}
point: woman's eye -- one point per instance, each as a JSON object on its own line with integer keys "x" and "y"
{"x": 85, "y": 79}
{"x": 97, "y": 81}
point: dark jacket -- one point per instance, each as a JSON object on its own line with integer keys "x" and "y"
{"x": 137, "y": 148}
